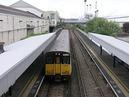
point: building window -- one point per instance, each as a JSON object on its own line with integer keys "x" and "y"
{"x": 47, "y": 17}
{"x": 53, "y": 22}
{"x": 41, "y": 15}
{"x": 52, "y": 16}
{"x": 38, "y": 23}
{"x": 20, "y": 21}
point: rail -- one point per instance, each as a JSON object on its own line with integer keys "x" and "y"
{"x": 36, "y": 93}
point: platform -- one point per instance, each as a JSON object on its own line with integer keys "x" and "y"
{"x": 116, "y": 47}
{"x": 19, "y": 56}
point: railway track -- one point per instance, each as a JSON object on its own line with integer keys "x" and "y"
{"x": 54, "y": 89}
{"x": 32, "y": 85}
{"x": 36, "y": 87}
{"x": 89, "y": 81}
{"x": 91, "y": 71}
{"x": 25, "y": 91}
{"x": 43, "y": 88}
{"x": 82, "y": 89}
{"x": 118, "y": 87}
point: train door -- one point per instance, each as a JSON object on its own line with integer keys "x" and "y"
{"x": 57, "y": 64}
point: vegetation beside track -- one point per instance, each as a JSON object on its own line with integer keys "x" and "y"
{"x": 33, "y": 34}
{"x": 101, "y": 26}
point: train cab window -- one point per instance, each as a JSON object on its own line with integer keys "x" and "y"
{"x": 49, "y": 60}
{"x": 66, "y": 59}
{"x": 57, "y": 60}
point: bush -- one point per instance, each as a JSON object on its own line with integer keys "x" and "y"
{"x": 82, "y": 27}
{"x": 102, "y": 26}
{"x": 32, "y": 34}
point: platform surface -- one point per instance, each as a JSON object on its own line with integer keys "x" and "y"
{"x": 16, "y": 52}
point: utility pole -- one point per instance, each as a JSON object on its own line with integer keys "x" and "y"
{"x": 86, "y": 8}
{"x": 96, "y": 9}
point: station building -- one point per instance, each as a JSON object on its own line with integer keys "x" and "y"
{"x": 16, "y": 24}
{"x": 50, "y": 17}
{"x": 21, "y": 19}
{"x": 53, "y": 17}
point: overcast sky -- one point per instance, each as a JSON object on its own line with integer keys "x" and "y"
{"x": 76, "y": 8}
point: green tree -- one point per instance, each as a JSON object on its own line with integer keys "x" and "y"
{"x": 102, "y": 26}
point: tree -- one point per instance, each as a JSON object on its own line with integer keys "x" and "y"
{"x": 102, "y": 26}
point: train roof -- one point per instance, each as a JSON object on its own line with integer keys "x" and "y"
{"x": 62, "y": 43}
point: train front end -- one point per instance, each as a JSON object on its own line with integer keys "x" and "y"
{"x": 58, "y": 66}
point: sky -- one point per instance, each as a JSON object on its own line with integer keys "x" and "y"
{"x": 77, "y": 8}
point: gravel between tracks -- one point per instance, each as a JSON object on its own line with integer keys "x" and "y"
{"x": 54, "y": 89}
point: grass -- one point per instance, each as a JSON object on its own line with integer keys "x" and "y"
{"x": 33, "y": 34}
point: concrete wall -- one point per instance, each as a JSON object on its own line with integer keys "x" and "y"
{"x": 13, "y": 28}
{"x": 52, "y": 16}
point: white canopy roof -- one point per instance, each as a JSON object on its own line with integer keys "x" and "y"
{"x": 115, "y": 46}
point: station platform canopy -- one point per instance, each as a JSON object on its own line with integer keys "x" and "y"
{"x": 19, "y": 56}
{"x": 112, "y": 45}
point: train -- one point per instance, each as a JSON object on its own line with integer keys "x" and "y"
{"x": 58, "y": 58}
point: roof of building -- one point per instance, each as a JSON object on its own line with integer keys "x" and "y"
{"x": 9, "y": 10}
{"x": 23, "y": 4}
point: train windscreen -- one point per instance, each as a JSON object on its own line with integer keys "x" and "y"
{"x": 49, "y": 60}
{"x": 66, "y": 59}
